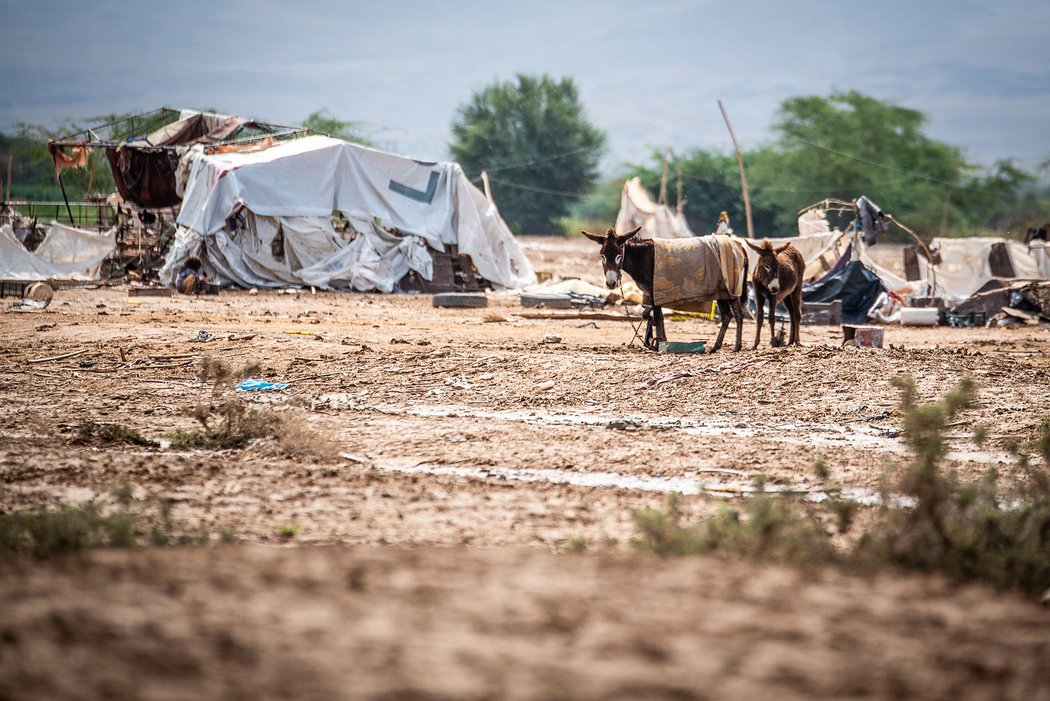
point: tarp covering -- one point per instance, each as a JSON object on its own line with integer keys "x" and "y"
{"x": 967, "y": 265}
{"x": 688, "y": 274}
{"x": 854, "y": 285}
{"x": 65, "y": 253}
{"x": 657, "y": 221}
{"x": 295, "y": 186}
{"x": 146, "y": 175}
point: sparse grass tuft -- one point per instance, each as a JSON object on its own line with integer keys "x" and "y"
{"x": 94, "y": 433}
{"x": 576, "y": 544}
{"x": 767, "y": 527}
{"x": 125, "y": 524}
{"x": 289, "y": 531}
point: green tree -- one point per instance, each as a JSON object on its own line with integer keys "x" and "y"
{"x": 848, "y": 144}
{"x": 533, "y": 138}
{"x": 324, "y": 122}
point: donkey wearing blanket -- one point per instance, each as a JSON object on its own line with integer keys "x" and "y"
{"x": 684, "y": 274}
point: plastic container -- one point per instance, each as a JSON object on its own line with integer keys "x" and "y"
{"x": 920, "y": 316}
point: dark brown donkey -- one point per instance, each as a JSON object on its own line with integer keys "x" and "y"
{"x": 778, "y": 277}
{"x": 637, "y": 258}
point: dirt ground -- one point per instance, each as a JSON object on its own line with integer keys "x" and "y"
{"x": 445, "y": 458}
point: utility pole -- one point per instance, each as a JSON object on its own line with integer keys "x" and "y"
{"x": 743, "y": 178}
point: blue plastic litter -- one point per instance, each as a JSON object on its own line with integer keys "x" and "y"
{"x": 252, "y": 384}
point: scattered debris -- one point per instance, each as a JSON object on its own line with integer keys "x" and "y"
{"x": 730, "y": 366}
{"x": 64, "y": 356}
{"x": 862, "y": 336}
{"x": 459, "y": 299}
{"x": 551, "y": 338}
{"x": 203, "y": 336}
{"x": 254, "y": 384}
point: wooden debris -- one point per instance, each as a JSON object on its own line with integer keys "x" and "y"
{"x": 74, "y": 354}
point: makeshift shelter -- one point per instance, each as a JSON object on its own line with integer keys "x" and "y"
{"x": 143, "y": 150}
{"x": 658, "y": 221}
{"x": 966, "y": 266}
{"x": 265, "y": 218}
{"x": 66, "y": 253}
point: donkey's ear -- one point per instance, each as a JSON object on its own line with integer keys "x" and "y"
{"x": 753, "y": 247}
{"x": 597, "y": 238}
{"x": 781, "y": 249}
{"x": 629, "y": 235}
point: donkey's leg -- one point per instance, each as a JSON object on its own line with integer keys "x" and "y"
{"x": 723, "y": 311}
{"x": 647, "y": 340}
{"x": 738, "y": 314}
{"x": 772, "y": 321}
{"x": 661, "y": 332}
{"x": 796, "y": 317}
{"x": 760, "y": 309}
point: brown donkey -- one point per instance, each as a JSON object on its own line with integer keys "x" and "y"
{"x": 778, "y": 277}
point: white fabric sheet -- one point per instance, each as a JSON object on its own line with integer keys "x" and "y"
{"x": 657, "y": 221}
{"x": 66, "y": 253}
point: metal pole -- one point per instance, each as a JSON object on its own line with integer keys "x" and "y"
{"x": 743, "y": 178}
{"x": 69, "y": 211}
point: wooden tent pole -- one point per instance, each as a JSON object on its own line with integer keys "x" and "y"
{"x": 743, "y": 178}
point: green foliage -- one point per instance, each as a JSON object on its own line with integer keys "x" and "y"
{"x": 980, "y": 531}
{"x": 289, "y": 531}
{"x": 533, "y": 138}
{"x": 94, "y": 433}
{"x": 577, "y": 544}
{"x": 846, "y": 145}
{"x": 125, "y": 524}
{"x": 324, "y": 122}
{"x": 992, "y": 531}
{"x": 767, "y": 527}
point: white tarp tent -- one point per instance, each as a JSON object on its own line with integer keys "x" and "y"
{"x": 66, "y": 253}
{"x": 965, "y": 264}
{"x": 657, "y": 221}
{"x": 965, "y": 267}
{"x": 264, "y": 218}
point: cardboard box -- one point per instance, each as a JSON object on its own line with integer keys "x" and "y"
{"x": 862, "y": 336}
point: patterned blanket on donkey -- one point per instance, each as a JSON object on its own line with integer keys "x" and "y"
{"x": 691, "y": 273}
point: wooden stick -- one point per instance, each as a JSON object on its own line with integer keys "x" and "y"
{"x": 57, "y": 357}
{"x": 579, "y": 315}
{"x": 743, "y": 178}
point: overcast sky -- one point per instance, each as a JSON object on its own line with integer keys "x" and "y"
{"x": 649, "y": 73}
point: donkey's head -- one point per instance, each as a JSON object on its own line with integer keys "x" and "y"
{"x": 612, "y": 253}
{"x": 767, "y": 269}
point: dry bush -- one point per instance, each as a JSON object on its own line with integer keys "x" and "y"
{"x": 994, "y": 531}
{"x": 228, "y": 422}
{"x": 96, "y": 433}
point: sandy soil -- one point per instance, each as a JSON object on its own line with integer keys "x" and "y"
{"x": 444, "y": 415}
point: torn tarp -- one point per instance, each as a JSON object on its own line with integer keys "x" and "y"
{"x": 872, "y": 219}
{"x": 65, "y": 253}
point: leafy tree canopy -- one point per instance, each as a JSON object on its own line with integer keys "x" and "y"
{"x": 843, "y": 146}
{"x": 324, "y": 122}
{"x": 533, "y": 138}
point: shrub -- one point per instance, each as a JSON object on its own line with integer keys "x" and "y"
{"x": 992, "y": 531}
